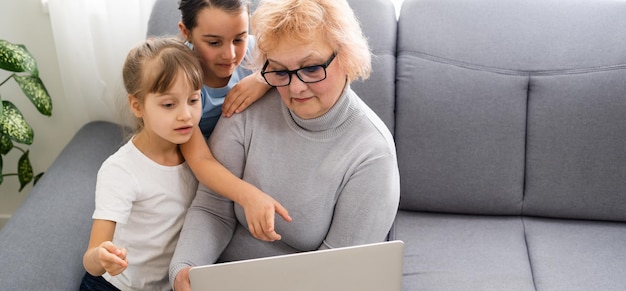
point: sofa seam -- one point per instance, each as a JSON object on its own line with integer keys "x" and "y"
{"x": 530, "y": 265}
{"x": 505, "y": 71}
{"x": 384, "y": 52}
{"x": 525, "y": 157}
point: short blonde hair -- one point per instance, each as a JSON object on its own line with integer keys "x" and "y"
{"x": 299, "y": 20}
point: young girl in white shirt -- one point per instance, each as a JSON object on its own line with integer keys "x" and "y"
{"x": 144, "y": 189}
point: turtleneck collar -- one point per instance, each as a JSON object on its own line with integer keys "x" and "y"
{"x": 330, "y": 123}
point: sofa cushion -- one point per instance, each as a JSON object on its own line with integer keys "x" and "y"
{"x": 512, "y": 107}
{"x": 463, "y": 252}
{"x": 378, "y": 91}
{"x": 164, "y": 19}
{"x": 576, "y": 145}
{"x": 460, "y": 126}
{"x": 48, "y": 254}
{"x": 576, "y": 255}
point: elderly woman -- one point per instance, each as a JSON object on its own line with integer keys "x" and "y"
{"x": 311, "y": 143}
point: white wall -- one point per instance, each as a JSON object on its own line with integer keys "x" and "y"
{"x": 25, "y": 22}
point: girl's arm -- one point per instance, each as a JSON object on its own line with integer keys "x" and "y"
{"x": 258, "y": 206}
{"x": 248, "y": 90}
{"x": 102, "y": 255}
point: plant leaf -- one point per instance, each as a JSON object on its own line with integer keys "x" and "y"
{"x": 5, "y": 144}
{"x": 37, "y": 178}
{"x": 24, "y": 170}
{"x": 16, "y": 58}
{"x": 12, "y": 123}
{"x": 34, "y": 89}
{"x": 1, "y": 175}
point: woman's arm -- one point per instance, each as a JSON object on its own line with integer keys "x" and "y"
{"x": 367, "y": 204}
{"x": 247, "y": 91}
{"x": 258, "y": 206}
{"x": 209, "y": 225}
{"x": 102, "y": 255}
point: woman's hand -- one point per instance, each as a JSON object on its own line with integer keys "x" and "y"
{"x": 260, "y": 209}
{"x": 245, "y": 92}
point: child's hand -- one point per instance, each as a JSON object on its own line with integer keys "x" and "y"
{"x": 259, "y": 210}
{"x": 244, "y": 93}
{"x": 112, "y": 258}
{"x": 181, "y": 281}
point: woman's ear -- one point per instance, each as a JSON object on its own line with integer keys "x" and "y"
{"x": 135, "y": 106}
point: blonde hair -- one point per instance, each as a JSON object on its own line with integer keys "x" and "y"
{"x": 154, "y": 65}
{"x": 299, "y": 20}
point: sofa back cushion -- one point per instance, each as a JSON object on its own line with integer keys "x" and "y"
{"x": 460, "y": 117}
{"x": 378, "y": 21}
{"x": 164, "y": 19}
{"x": 513, "y": 107}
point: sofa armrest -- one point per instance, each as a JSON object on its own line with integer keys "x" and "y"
{"x": 42, "y": 245}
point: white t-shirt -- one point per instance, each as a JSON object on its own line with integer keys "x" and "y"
{"x": 148, "y": 202}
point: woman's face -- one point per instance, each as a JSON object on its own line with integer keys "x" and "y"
{"x": 220, "y": 39}
{"x": 307, "y": 100}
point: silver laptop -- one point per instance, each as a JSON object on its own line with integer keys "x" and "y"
{"x": 370, "y": 267}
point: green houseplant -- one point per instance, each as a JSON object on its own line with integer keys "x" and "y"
{"x": 22, "y": 68}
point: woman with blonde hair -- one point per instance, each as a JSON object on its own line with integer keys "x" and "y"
{"x": 311, "y": 143}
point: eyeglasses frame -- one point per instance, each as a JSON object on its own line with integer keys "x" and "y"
{"x": 295, "y": 72}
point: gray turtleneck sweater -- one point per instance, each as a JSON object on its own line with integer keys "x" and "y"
{"x": 337, "y": 175}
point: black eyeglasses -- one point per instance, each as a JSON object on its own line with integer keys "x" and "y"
{"x": 310, "y": 74}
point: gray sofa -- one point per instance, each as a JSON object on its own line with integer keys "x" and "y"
{"x": 510, "y": 123}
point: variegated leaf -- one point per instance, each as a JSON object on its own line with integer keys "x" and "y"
{"x": 16, "y": 58}
{"x": 6, "y": 145}
{"x": 24, "y": 170}
{"x": 13, "y": 124}
{"x": 1, "y": 176}
{"x": 34, "y": 89}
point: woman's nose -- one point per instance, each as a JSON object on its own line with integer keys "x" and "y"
{"x": 296, "y": 85}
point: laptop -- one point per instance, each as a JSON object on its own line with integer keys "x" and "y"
{"x": 369, "y": 267}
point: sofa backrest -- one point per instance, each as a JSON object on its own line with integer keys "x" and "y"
{"x": 512, "y": 107}
{"x": 164, "y": 19}
{"x": 378, "y": 21}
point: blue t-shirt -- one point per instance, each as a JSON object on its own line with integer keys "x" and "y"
{"x": 213, "y": 98}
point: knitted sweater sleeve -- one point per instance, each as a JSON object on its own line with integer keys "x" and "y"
{"x": 368, "y": 203}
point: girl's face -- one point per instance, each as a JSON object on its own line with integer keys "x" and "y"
{"x": 169, "y": 118}
{"x": 307, "y": 100}
{"x": 220, "y": 39}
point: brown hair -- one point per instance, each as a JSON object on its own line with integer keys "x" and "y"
{"x": 189, "y": 9}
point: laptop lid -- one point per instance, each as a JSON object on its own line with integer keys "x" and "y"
{"x": 369, "y": 267}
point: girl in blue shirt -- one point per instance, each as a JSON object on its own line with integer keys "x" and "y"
{"x": 218, "y": 32}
